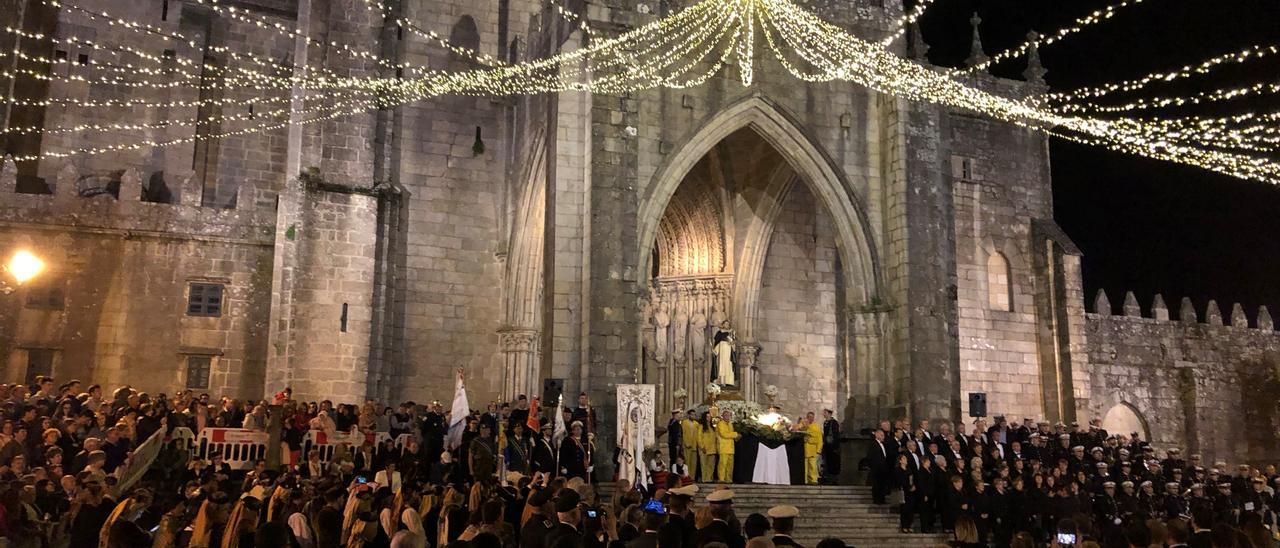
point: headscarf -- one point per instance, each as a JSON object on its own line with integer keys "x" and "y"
{"x": 479, "y": 494}
{"x": 428, "y": 502}
{"x": 349, "y": 511}
{"x": 301, "y": 529}
{"x": 202, "y": 527}
{"x": 167, "y": 533}
{"x": 104, "y": 536}
{"x": 407, "y": 539}
{"x": 278, "y": 498}
{"x": 363, "y": 529}
{"x": 388, "y": 519}
{"x": 244, "y": 517}
{"x": 413, "y": 522}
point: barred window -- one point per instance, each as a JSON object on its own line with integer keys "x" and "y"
{"x": 204, "y": 299}
{"x": 198, "y": 368}
{"x": 46, "y": 296}
{"x": 39, "y": 363}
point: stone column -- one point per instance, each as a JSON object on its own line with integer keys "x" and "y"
{"x": 747, "y": 353}
{"x": 520, "y": 372}
{"x": 868, "y": 370}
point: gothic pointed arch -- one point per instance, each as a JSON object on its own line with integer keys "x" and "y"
{"x": 776, "y": 127}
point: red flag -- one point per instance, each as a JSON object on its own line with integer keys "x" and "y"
{"x": 533, "y": 423}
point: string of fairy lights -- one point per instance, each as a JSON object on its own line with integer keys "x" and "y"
{"x": 1093, "y": 18}
{"x": 903, "y": 23}
{"x": 254, "y": 91}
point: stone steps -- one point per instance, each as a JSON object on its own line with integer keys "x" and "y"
{"x": 826, "y": 511}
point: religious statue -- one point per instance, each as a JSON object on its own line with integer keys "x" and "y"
{"x": 661, "y": 320}
{"x": 697, "y": 336}
{"x": 648, "y": 338}
{"x": 724, "y": 358}
{"x": 680, "y": 336}
{"x": 717, "y": 318}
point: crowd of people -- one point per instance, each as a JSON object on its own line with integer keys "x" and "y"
{"x": 1035, "y": 484}
{"x": 510, "y": 476}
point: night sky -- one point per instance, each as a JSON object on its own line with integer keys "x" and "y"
{"x": 1145, "y": 225}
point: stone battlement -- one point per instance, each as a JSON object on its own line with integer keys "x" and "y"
{"x": 122, "y": 200}
{"x": 1187, "y": 313}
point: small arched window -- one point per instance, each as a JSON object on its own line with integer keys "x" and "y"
{"x": 999, "y": 282}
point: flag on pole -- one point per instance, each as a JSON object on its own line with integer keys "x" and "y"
{"x": 560, "y": 431}
{"x": 642, "y": 468}
{"x": 533, "y": 423}
{"x": 461, "y": 409}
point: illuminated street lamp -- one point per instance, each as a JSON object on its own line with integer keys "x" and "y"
{"x": 22, "y": 267}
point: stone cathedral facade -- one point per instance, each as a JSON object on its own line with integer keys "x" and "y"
{"x": 876, "y": 256}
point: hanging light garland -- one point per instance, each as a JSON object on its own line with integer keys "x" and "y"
{"x": 694, "y": 44}
{"x": 1203, "y": 97}
{"x": 901, "y": 25}
{"x": 1136, "y": 84}
{"x": 1079, "y": 25}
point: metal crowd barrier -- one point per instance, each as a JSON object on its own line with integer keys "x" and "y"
{"x": 241, "y": 447}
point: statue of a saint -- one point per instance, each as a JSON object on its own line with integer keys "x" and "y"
{"x": 723, "y": 351}
{"x": 698, "y": 337}
{"x": 717, "y": 318}
{"x": 680, "y": 337}
{"x": 661, "y": 321}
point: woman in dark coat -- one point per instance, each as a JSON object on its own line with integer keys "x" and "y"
{"x": 905, "y": 479}
{"x": 926, "y": 501}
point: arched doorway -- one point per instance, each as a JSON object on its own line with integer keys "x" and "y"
{"x": 749, "y": 222}
{"x": 1123, "y": 419}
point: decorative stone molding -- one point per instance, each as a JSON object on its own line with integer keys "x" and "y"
{"x": 518, "y": 340}
{"x": 747, "y": 354}
{"x": 520, "y": 363}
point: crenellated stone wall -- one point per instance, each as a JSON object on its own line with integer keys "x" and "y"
{"x": 1196, "y": 379}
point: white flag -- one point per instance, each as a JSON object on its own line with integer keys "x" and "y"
{"x": 642, "y": 468}
{"x": 559, "y": 433}
{"x": 460, "y": 411}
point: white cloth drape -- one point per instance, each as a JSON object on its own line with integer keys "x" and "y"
{"x": 772, "y": 466}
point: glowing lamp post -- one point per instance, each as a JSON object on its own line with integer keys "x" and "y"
{"x": 22, "y": 267}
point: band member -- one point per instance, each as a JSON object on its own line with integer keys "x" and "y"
{"x": 517, "y": 451}
{"x": 585, "y": 414}
{"x": 573, "y": 453}
{"x": 543, "y": 456}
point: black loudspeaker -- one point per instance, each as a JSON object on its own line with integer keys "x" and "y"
{"x": 551, "y": 390}
{"x": 978, "y": 404}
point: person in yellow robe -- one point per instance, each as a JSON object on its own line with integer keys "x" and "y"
{"x": 812, "y": 448}
{"x": 690, "y": 430}
{"x": 726, "y": 436}
{"x": 707, "y": 450}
